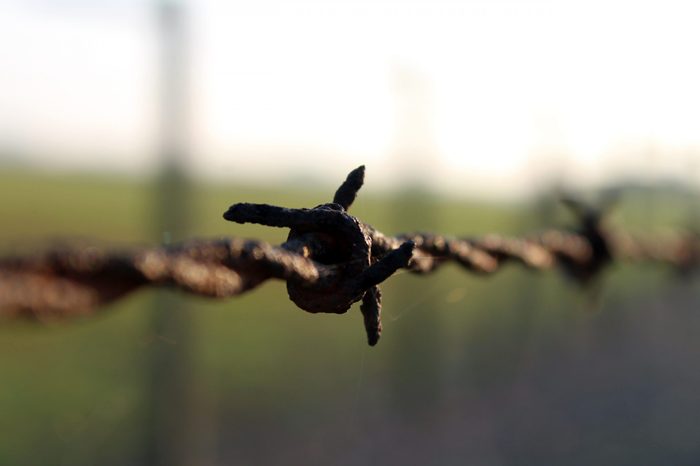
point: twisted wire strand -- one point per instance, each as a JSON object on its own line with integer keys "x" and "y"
{"x": 329, "y": 261}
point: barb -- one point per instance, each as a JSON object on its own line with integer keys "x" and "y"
{"x": 330, "y": 261}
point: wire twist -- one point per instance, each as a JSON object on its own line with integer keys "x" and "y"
{"x": 329, "y": 261}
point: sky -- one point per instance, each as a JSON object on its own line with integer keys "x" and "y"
{"x": 484, "y": 97}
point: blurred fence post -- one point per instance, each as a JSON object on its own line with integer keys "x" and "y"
{"x": 169, "y": 439}
{"x": 416, "y": 355}
{"x": 528, "y": 309}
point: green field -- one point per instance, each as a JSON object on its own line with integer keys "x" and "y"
{"x": 268, "y": 383}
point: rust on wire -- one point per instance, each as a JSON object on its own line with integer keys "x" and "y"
{"x": 329, "y": 261}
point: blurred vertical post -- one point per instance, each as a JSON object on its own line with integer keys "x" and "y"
{"x": 521, "y": 327}
{"x": 416, "y": 352}
{"x": 169, "y": 439}
{"x": 693, "y": 200}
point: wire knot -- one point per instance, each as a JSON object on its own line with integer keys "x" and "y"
{"x": 341, "y": 243}
{"x": 329, "y": 235}
{"x": 595, "y": 252}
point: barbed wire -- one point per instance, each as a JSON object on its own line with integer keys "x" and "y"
{"x": 329, "y": 261}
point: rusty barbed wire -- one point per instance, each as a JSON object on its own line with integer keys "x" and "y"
{"x": 329, "y": 261}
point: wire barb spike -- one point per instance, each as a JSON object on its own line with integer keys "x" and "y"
{"x": 347, "y": 192}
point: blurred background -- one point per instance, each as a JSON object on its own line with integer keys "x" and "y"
{"x": 139, "y": 122}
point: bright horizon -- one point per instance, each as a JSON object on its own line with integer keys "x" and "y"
{"x": 510, "y": 93}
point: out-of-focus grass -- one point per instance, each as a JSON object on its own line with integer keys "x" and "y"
{"x": 265, "y": 373}
{"x": 76, "y": 387}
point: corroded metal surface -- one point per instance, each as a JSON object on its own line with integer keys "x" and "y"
{"x": 330, "y": 261}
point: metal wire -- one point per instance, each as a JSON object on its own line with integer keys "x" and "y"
{"x": 330, "y": 261}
